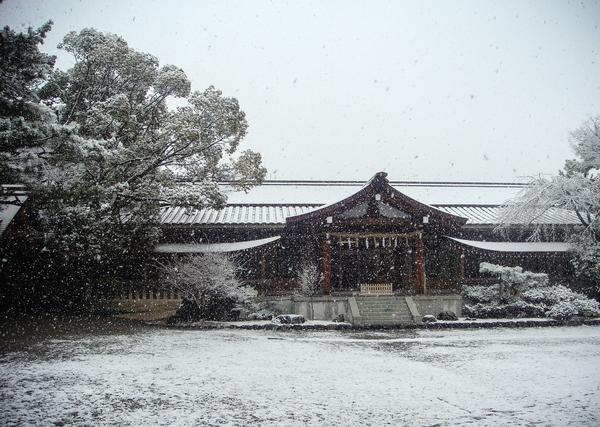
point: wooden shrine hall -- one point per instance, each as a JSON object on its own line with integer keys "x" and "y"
{"x": 373, "y": 238}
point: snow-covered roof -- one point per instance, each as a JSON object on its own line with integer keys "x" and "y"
{"x": 276, "y": 214}
{"x": 272, "y": 202}
{"x": 234, "y": 214}
{"x": 490, "y": 214}
{"x": 179, "y": 248}
{"x": 9, "y": 211}
{"x": 516, "y": 246}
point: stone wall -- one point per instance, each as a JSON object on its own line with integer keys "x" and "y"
{"x": 313, "y": 308}
{"x": 328, "y": 308}
{"x": 435, "y": 304}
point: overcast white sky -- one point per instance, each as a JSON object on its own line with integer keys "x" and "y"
{"x": 429, "y": 90}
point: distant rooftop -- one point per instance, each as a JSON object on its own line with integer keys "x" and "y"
{"x": 329, "y": 191}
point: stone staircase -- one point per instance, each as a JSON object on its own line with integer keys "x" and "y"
{"x": 384, "y": 310}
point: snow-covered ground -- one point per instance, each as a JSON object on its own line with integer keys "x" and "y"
{"x": 149, "y": 376}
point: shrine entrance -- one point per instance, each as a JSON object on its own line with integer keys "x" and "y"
{"x": 374, "y": 263}
{"x": 373, "y": 240}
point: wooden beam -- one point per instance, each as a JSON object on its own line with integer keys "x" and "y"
{"x": 374, "y": 235}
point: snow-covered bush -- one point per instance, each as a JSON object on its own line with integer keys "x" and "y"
{"x": 561, "y": 300}
{"x": 211, "y": 283}
{"x": 562, "y": 310}
{"x": 498, "y": 310}
{"x": 310, "y": 279}
{"x": 482, "y": 294}
{"x": 524, "y": 294}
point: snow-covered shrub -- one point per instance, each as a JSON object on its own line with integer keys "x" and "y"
{"x": 562, "y": 310}
{"x": 497, "y": 310}
{"x": 310, "y": 279}
{"x": 561, "y": 300}
{"x": 481, "y": 294}
{"x": 210, "y": 281}
{"x": 513, "y": 280}
{"x": 524, "y": 294}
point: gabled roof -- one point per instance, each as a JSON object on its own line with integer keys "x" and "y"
{"x": 272, "y": 202}
{"x": 378, "y": 196}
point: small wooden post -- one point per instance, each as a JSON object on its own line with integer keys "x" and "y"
{"x": 327, "y": 266}
{"x": 420, "y": 264}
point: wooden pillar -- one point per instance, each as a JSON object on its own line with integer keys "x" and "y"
{"x": 263, "y": 266}
{"x": 327, "y": 286}
{"x": 420, "y": 264}
{"x": 461, "y": 264}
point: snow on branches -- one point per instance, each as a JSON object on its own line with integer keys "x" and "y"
{"x": 310, "y": 279}
{"x": 210, "y": 281}
{"x": 100, "y": 149}
{"x": 521, "y": 293}
{"x": 576, "y": 188}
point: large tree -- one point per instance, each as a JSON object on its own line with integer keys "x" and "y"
{"x": 25, "y": 123}
{"x": 115, "y": 151}
{"x": 575, "y": 188}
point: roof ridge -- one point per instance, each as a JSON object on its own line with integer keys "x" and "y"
{"x": 472, "y": 205}
{"x": 321, "y": 182}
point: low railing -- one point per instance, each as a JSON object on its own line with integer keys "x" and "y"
{"x": 145, "y": 294}
{"x": 376, "y": 289}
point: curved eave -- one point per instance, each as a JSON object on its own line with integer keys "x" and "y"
{"x": 516, "y": 247}
{"x": 193, "y": 248}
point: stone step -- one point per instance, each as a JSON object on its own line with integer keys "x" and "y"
{"x": 390, "y": 316}
{"x": 380, "y": 303}
{"x": 384, "y": 323}
{"x": 384, "y": 313}
{"x": 384, "y": 309}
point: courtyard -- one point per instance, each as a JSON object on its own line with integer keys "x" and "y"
{"x": 101, "y": 372}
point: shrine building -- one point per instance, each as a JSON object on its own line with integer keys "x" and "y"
{"x": 414, "y": 243}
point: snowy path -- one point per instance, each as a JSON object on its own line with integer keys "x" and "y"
{"x": 145, "y": 376}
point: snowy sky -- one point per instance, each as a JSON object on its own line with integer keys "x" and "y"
{"x": 429, "y": 90}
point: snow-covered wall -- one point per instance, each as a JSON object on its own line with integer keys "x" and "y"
{"x": 435, "y": 304}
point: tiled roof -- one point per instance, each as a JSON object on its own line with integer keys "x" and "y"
{"x": 273, "y": 201}
{"x": 10, "y": 194}
{"x": 235, "y": 214}
{"x": 276, "y": 214}
{"x": 489, "y": 214}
